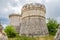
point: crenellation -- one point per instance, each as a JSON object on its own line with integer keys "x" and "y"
{"x": 35, "y": 6}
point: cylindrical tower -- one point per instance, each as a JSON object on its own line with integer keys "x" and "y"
{"x": 33, "y": 20}
{"x": 15, "y": 21}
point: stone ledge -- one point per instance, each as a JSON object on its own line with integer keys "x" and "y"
{"x": 33, "y": 16}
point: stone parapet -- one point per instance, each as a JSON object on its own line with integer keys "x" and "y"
{"x": 13, "y": 14}
{"x": 34, "y": 6}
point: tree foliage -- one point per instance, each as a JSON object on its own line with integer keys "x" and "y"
{"x": 10, "y": 31}
{"x": 52, "y": 26}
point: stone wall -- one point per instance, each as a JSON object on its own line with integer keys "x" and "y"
{"x": 57, "y": 36}
{"x": 31, "y": 22}
{"x": 33, "y": 26}
{"x": 15, "y": 21}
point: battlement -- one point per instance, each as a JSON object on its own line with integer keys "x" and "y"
{"x": 31, "y": 22}
{"x": 14, "y": 15}
{"x": 34, "y": 6}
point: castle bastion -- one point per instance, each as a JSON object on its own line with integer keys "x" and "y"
{"x": 32, "y": 20}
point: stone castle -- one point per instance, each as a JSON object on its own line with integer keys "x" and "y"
{"x": 32, "y": 21}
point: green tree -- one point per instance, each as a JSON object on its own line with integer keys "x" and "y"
{"x": 52, "y": 26}
{"x": 10, "y": 31}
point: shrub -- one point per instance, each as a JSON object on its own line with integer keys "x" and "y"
{"x": 52, "y": 26}
{"x": 10, "y": 31}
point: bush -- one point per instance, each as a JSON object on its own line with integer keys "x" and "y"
{"x": 52, "y": 26}
{"x": 10, "y": 31}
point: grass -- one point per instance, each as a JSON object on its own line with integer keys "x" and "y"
{"x": 46, "y": 38}
{"x": 22, "y": 38}
{"x": 31, "y": 38}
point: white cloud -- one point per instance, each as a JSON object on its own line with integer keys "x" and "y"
{"x": 5, "y": 9}
{"x": 16, "y": 0}
{"x": 48, "y": 1}
{"x": 38, "y": 1}
{"x": 34, "y": 1}
{"x": 16, "y": 9}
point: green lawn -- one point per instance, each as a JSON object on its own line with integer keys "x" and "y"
{"x": 31, "y": 38}
{"x": 46, "y": 38}
{"x": 22, "y": 38}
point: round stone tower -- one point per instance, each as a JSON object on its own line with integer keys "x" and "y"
{"x": 33, "y": 20}
{"x": 15, "y": 20}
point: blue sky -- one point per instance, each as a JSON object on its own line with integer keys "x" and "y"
{"x": 14, "y": 6}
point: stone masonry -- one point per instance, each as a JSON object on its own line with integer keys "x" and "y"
{"x": 31, "y": 22}
{"x": 57, "y": 36}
